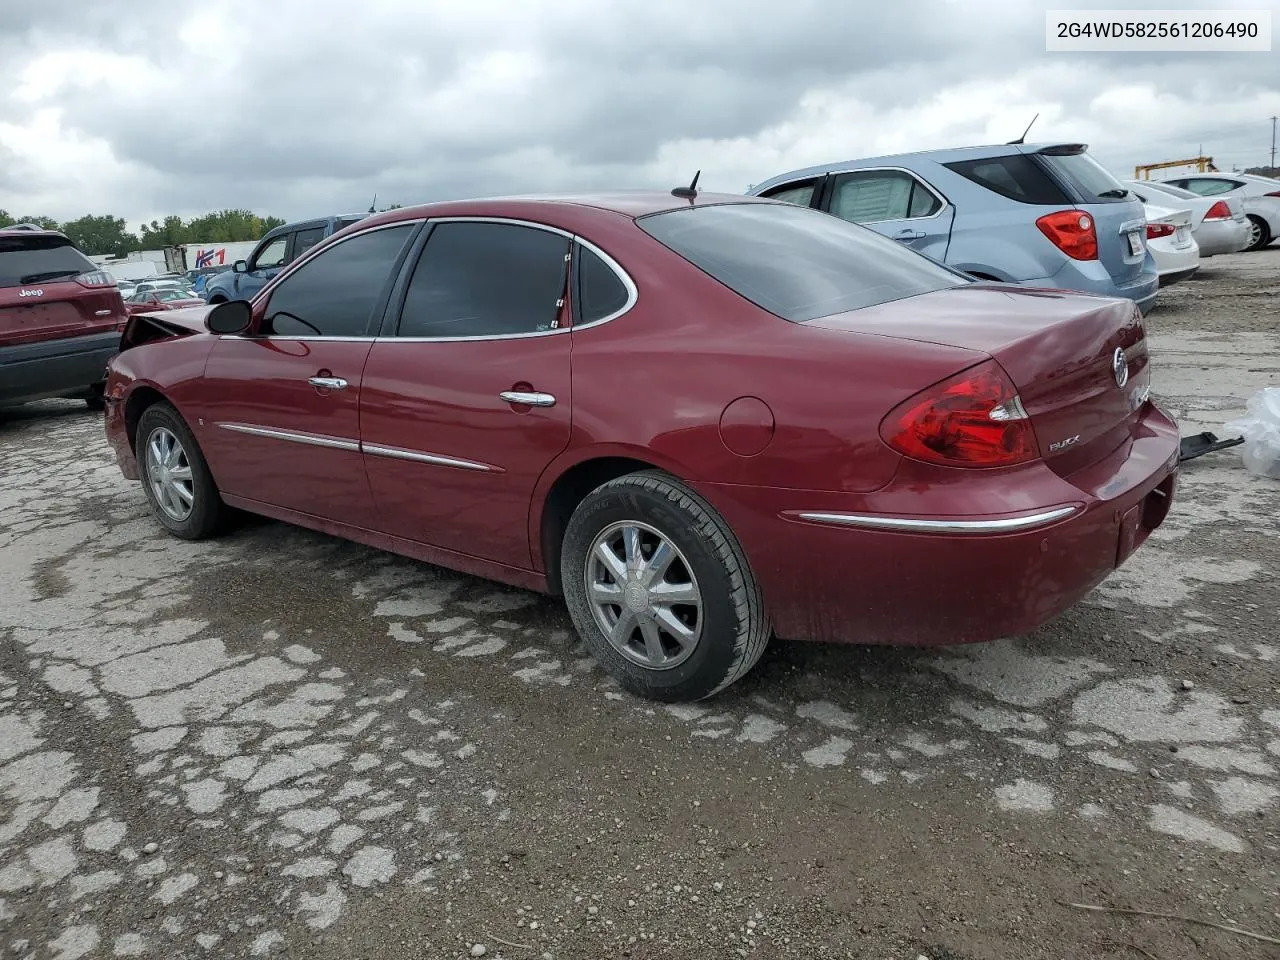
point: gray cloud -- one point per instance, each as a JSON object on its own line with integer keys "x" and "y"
{"x": 312, "y": 107}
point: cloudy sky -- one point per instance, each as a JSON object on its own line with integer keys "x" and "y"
{"x": 141, "y": 108}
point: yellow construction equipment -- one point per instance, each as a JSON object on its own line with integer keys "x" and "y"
{"x": 1203, "y": 164}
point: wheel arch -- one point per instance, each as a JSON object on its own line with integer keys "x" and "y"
{"x": 140, "y": 398}
{"x": 566, "y": 483}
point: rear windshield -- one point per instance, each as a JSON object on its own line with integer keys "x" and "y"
{"x": 1015, "y": 176}
{"x": 1089, "y": 178}
{"x": 39, "y": 259}
{"x": 1171, "y": 190}
{"x": 797, "y": 263}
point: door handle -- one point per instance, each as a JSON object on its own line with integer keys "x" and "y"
{"x": 910, "y": 235}
{"x": 528, "y": 399}
{"x": 328, "y": 383}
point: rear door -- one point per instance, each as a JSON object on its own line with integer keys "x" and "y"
{"x": 896, "y": 204}
{"x": 40, "y": 297}
{"x": 467, "y": 398}
{"x": 1117, "y": 214}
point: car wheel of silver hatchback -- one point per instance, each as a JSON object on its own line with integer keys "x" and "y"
{"x": 175, "y": 476}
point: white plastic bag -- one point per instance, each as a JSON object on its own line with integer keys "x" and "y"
{"x": 1261, "y": 432}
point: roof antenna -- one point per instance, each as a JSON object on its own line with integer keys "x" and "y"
{"x": 374, "y": 204}
{"x": 1023, "y": 138}
{"x": 690, "y": 191}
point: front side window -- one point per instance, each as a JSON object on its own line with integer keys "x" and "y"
{"x": 272, "y": 255}
{"x": 334, "y": 294}
{"x": 871, "y": 196}
{"x": 798, "y": 264}
{"x": 485, "y": 280}
{"x": 801, "y": 194}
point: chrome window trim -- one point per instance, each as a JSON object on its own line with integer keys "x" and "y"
{"x": 946, "y": 204}
{"x": 882, "y": 522}
{"x": 633, "y": 292}
{"x": 399, "y": 453}
{"x": 294, "y": 436}
{"x": 295, "y": 265}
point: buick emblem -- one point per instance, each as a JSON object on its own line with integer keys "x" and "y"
{"x": 1120, "y": 367}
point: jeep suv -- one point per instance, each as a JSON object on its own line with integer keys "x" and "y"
{"x": 60, "y": 318}
{"x": 274, "y": 252}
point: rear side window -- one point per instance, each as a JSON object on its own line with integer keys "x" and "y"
{"x": 334, "y": 294}
{"x": 599, "y": 292}
{"x": 798, "y": 264}
{"x": 304, "y": 240}
{"x": 485, "y": 280}
{"x": 39, "y": 259}
{"x": 801, "y": 194}
{"x": 1086, "y": 175}
{"x": 874, "y": 195}
{"x": 1016, "y": 177}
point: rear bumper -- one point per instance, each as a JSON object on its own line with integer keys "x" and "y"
{"x": 1174, "y": 263}
{"x": 831, "y": 570}
{"x": 55, "y": 368}
{"x": 1217, "y": 237}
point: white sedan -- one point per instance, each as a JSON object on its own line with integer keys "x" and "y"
{"x": 1260, "y": 195}
{"x": 1171, "y": 244}
{"x": 1218, "y": 224}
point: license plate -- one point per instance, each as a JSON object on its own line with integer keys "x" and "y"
{"x": 1135, "y": 243}
{"x": 1180, "y": 236}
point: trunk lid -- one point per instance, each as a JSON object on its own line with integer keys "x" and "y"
{"x": 1060, "y": 350}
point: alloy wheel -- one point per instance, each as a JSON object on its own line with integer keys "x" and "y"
{"x": 169, "y": 473}
{"x": 644, "y": 596}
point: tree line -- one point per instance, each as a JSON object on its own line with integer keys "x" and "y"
{"x": 105, "y": 234}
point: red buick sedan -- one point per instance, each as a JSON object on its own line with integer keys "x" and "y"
{"x": 704, "y": 421}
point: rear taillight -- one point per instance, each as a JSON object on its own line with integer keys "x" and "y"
{"x": 1072, "y": 232}
{"x": 1219, "y": 211}
{"x": 974, "y": 419}
{"x": 96, "y": 278}
{"x": 1160, "y": 230}
{"x": 1273, "y": 193}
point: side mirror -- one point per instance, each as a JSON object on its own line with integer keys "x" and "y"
{"x": 230, "y": 317}
{"x": 240, "y": 266}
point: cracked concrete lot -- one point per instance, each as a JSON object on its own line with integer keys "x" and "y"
{"x": 282, "y": 744}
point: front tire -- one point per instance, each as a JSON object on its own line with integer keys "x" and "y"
{"x": 660, "y": 589}
{"x": 175, "y": 475}
{"x": 1259, "y": 233}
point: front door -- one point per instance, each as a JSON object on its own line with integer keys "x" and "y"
{"x": 468, "y": 401}
{"x": 897, "y": 205}
{"x": 282, "y": 403}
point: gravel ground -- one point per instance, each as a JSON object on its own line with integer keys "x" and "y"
{"x": 282, "y": 744}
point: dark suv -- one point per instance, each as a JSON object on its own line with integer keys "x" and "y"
{"x": 60, "y": 318}
{"x": 275, "y": 251}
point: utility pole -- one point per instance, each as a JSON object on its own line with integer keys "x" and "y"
{"x": 1273, "y": 142}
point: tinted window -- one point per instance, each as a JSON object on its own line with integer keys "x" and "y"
{"x": 304, "y": 240}
{"x": 1086, "y": 175}
{"x": 484, "y": 280}
{"x": 1211, "y": 186}
{"x": 39, "y": 259}
{"x": 881, "y": 195}
{"x": 801, "y": 194}
{"x": 1015, "y": 177}
{"x": 334, "y": 294}
{"x": 600, "y": 291}
{"x": 272, "y": 255}
{"x": 797, "y": 263}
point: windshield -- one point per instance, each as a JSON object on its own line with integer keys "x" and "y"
{"x": 797, "y": 263}
{"x": 39, "y": 259}
{"x": 1090, "y": 178}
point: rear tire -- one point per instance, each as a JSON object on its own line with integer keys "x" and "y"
{"x": 680, "y": 548}
{"x": 1260, "y": 233}
{"x": 95, "y": 400}
{"x": 175, "y": 475}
